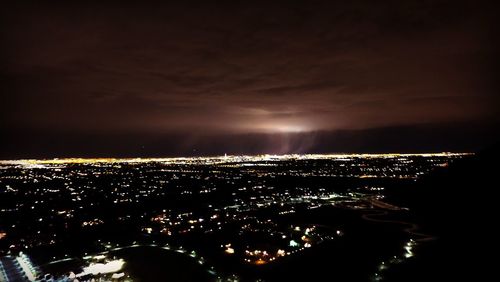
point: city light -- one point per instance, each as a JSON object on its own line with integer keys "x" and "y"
{"x": 253, "y": 202}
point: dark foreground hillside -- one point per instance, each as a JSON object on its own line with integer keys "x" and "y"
{"x": 460, "y": 205}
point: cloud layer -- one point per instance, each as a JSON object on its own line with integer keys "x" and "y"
{"x": 245, "y": 67}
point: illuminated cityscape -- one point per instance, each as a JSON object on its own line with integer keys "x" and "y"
{"x": 252, "y": 141}
{"x": 229, "y": 218}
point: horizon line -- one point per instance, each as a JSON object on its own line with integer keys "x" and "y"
{"x": 258, "y": 157}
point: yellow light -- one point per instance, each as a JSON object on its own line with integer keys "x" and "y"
{"x": 260, "y": 262}
{"x": 219, "y": 159}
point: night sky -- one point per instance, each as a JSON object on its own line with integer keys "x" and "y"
{"x": 246, "y": 77}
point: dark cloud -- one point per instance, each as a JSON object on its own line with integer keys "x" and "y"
{"x": 239, "y": 67}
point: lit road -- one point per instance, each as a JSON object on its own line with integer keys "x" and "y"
{"x": 375, "y": 216}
